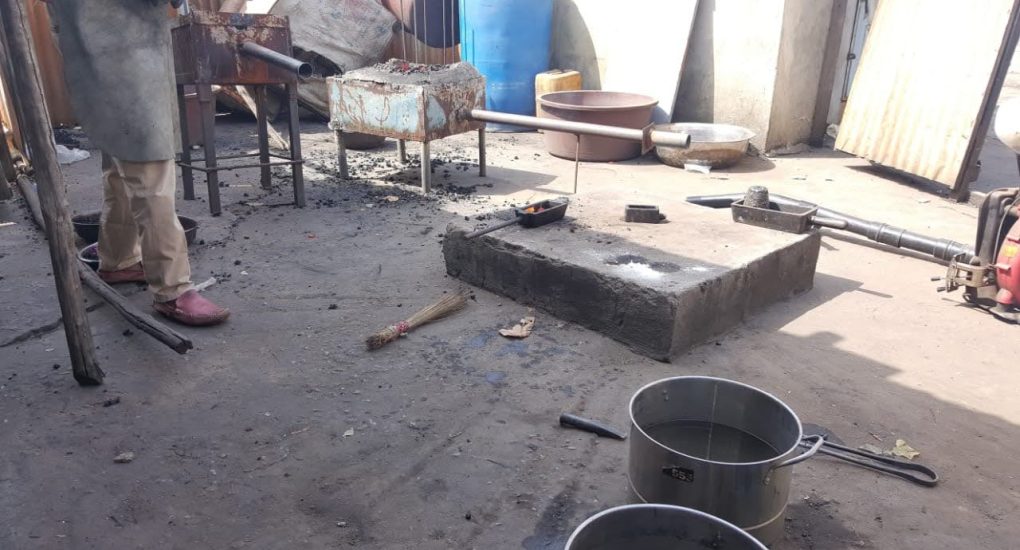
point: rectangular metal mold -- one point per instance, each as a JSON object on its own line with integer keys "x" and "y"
{"x": 788, "y": 218}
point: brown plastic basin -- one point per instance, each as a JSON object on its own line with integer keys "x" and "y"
{"x": 596, "y": 107}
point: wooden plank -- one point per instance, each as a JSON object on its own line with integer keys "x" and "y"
{"x": 52, "y": 193}
{"x": 924, "y": 78}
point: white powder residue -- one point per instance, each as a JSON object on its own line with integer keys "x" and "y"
{"x": 639, "y": 270}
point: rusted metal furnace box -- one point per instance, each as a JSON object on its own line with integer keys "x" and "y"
{"x": 414, "y": 104}
{"x": 208, "y": 51}
{"x": 206, "y": 48}
{"x": 408, "y": 101}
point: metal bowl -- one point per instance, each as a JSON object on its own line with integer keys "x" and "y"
{"x": 90, "y": 255}
{"x": 596, "y": 107}
{"x": 713, "y": 145}
{"x": 87, "y": 227}
{"x": 658, "y": 527}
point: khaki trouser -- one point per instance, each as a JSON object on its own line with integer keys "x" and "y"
{"x": 139, "y": 224}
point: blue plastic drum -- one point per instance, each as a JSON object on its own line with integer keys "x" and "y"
{"x": 508, "y": 42}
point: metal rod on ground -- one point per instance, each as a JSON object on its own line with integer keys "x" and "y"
{"x": 453, "y": 32}
{"x": 144, "y": 322}
{"x": 657, "y": 137}
{"x": 444, "y": 30}
{"x": 425, "y": 20}
{"x": 35, "y": 126}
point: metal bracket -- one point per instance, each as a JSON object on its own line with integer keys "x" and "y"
{"x": 646, "y": 139}
{"x": 962, "y": 274}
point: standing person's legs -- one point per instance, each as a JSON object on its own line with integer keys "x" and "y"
{"x": 149, "y": 188}
{"x": 120, "y": 249}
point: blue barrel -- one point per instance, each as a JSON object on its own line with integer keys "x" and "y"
{"x": 508, "y": 42}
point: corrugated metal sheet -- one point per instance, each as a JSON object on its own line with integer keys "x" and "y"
{"x": 51, "y": 66}
{"x": 920, "y": 93}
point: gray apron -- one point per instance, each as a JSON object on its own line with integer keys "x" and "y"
{"x": 119, "y": 70}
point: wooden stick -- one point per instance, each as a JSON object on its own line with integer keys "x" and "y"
{"x": 36, "y": 128}
{"x": 32, "y": 200}
{"x": 143, "y": 321}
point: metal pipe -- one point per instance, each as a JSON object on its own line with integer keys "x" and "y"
{"x": 942, "y": 249}
{"x": 657, "y": 137}
{"x": 273, "y": 57}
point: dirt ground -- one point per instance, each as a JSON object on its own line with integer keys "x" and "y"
{"x": 281, "y": 431}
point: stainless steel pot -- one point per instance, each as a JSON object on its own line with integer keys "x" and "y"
{"x": 658, "y": 527}
{"x": 717, "y": 446}
{"x": 714, "y": 145}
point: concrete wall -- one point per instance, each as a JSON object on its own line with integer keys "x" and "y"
{"x": 731, "y": 65}
{"x": 756, "y": 63}
{"x": 639, "y": 49}
{"x": 801, "y": 53}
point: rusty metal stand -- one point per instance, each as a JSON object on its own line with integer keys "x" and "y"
{"x": 426, "y": 158}
{"x": 237, "y": 50}
{"x": 210, "y": 162}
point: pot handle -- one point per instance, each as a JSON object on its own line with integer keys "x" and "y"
{"x": 819, "y": 441}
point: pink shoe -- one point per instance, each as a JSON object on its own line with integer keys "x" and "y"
{"x": 191, "y": 308}
{"x": 133, "y": 274}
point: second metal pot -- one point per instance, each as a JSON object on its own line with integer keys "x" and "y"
{"x": 717, "y": 446}
{"x": 658, "y": 527}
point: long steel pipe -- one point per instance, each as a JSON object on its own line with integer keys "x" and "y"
{"x": 296, "y": 66}
{"x": 943, "y": 249}
{"x": 656, "y": 137}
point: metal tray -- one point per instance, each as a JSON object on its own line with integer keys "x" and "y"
{"x": 552, "y": 210}
{"x": 781, "y": 217}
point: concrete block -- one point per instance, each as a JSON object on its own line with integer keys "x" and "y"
{"x": 693, "y": 280}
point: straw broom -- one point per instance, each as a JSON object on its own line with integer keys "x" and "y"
{"x": 442, "y": 308}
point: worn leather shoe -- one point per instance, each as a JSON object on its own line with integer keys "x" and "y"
{"x": 133, "y": 274}
{"x": 191, "y": 308}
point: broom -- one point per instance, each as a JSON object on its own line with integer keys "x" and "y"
{"x": 442, "y": 308}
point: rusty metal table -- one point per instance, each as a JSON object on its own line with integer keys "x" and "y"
{"x": 407, "y": 101}
{"x": 208, "y": 51}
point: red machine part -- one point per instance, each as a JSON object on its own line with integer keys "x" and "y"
{"x": 1007, "y": 269}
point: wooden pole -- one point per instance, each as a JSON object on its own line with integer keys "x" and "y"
{"x": 142, "y": 321}
{"x": 52, "y": 193}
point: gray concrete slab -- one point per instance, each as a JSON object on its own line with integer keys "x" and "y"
{"x": 658, "y": 288}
